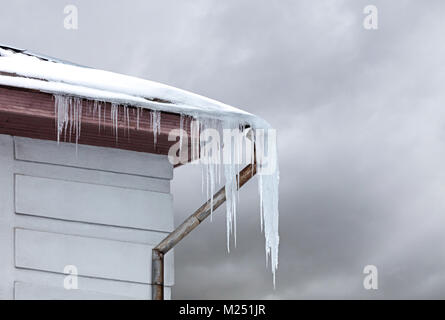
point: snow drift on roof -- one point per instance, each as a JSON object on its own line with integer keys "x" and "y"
{"x": 25, "y": 70}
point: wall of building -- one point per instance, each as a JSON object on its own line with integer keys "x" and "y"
{"x": 99, "y": 209}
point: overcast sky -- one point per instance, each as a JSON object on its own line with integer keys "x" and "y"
{"x": 360, "y": 116}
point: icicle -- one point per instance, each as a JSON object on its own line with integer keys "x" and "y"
{"x": 260, "y": 192}
{"x": 194, "y": 132}
{"x": 92, "y": 109}
{"x": 68, "y": 115}
{"x": 115, "y": 119}
{"x": 268, "y": 180}
{"x": 137, "y": 118}
{"x": 100, "y": 113}
{"x": 210, "y": 156}
{"x": 78, "y": 120}
{"x": 158, "y": 122}
{"x": 252, "y": 150}
{"x": 231, "y": 160}
{"x": 127, "y": 121}
{"x": 181, "y": 127}
{"x": 97, "y": 108}
{"x": 230, "y": 177}
{"x": 203, "y": 159}
{"x": 61, "y": 109}
{"x": 105, "y": 114}
{"x": 155, "y": 121}
{"x": 71, "y": 116}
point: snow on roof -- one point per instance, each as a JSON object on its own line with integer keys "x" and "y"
{"x": 23, "y": 69}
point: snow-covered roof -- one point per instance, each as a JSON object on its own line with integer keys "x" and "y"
{"x": 23, "y": 69}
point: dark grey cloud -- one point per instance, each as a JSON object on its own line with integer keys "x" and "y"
{"x": 359, "y": 115}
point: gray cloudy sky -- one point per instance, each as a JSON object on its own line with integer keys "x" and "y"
{"x": 361, "y": 126}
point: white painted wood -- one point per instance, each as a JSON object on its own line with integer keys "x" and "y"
{"x": 91, "y": 176}
{"x": 93, "y": 257}
{"x": 108, "y": 233}
{"x": 133, "y": 290}
{"x": 108, "y": 159}
{"x": 75, "y": 201}
{"x": 6, "y": 218}
{"x": 150, "y": 238}
{"x": 88, "y": 229}
{"x": 27, "y": 291}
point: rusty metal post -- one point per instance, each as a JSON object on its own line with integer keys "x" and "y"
{"x": 157, "y": 275}
{"x": 185, "y": 228}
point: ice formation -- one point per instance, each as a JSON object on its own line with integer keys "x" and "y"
{"x": 71, "y": 83}
{"x": 217, "y": 157}
{"x": 68, "y": 116}
{"x": 115, "y": 119}
{"x": 155, "y": 121}
{"x": 233, "y": 154}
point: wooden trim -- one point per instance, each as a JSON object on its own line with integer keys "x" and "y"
{"x": 30, "y": 113}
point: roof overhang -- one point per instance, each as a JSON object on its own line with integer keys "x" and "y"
{"x": 32, "y": 114}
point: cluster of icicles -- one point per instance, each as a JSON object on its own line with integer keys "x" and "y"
{"x": 215, "y": 160}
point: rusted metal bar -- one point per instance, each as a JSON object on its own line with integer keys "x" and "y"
{"x": 157, "y": 266}
{"x": 186, "y": 227}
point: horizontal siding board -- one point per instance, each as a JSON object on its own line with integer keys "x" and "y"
{"x": 98, "y": 158}
{"x": 93, "y": 257}
{"x": 91, "y": 176}
{"x": 108, "y": 205}
{"x": 87, "y": 229}
{"x": 27, "y": 291}
{"x": 133, "y": 290}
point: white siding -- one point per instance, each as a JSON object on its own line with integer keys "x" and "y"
{"x": 99, "y": 209}
{"x": 86, "y": 202}
{"x": 106, "y": 159}
{"x": 6, "y": 217}
{"x": 27, "y": 291}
